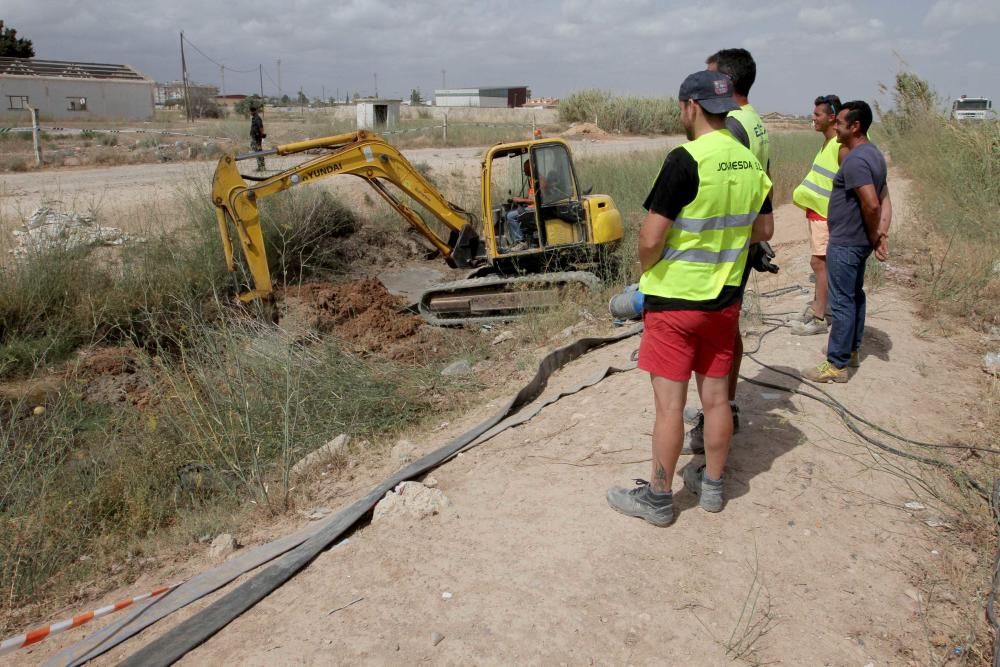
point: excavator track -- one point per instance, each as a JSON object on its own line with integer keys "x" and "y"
{"x": 497, "y": 298}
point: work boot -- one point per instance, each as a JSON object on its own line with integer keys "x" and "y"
{"x": 518, "y": 247}
{"x": 708, "y": 491}
{"x": 811, "y": 328}
{"x": 855, "y": 361}
{"x": 825, "y": 372}
{"x": 642, "y": 503}
{"x": 694, "y": 440}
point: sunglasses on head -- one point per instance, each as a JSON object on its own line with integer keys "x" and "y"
{"x": 830, "y": 100}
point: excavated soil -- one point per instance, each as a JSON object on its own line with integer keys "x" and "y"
{"x": 584, "y": 129}
{"x": 365, "y": 317}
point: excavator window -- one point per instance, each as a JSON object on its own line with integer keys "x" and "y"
{"x": 555, "y": 171}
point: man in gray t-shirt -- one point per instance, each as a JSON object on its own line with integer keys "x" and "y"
{"x": 856, "y": 229}
{"x": 863, "y": 165}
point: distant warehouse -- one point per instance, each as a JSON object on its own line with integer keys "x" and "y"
{"x": 512, "y": 96}
{"x": 66, "y": 91}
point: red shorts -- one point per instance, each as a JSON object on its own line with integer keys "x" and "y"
{"x": 676, "y": 342}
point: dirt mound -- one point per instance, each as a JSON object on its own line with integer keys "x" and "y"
{"x": 111, "y": 375}
{"x": 361, "y": 312}
{"x": 584, "y": 129}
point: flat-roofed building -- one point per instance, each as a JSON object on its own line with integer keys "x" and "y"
{"x": 502, "y": 96}
{"x": 65, "y": 91}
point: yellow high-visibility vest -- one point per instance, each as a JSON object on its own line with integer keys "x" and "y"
{"x": 760, "y": 142}
{"x": 815, "y": 190}
{"x": 706, "y": 247}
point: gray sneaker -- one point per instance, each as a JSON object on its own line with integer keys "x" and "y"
{"x": 803, "y": 315}
{"x": 813, "y": 327}
{"x": 710, "y": 493}
{"x": 694, "y": 440}
{"x": 692, "y": 415}
{"x": 639, "y": 502}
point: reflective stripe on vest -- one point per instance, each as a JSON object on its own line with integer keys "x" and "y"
{"x": 760, "y": 142}
{"x": 705, "y": 248}
{"x": 815, "y": 190}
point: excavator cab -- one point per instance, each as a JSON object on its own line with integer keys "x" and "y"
{"x": 532, "y": 187}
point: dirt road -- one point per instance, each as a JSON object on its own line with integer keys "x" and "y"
{"x": 125, "y": 196}
{"x": 828, "y": 551}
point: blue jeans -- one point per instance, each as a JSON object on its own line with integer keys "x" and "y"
{"x": 514, "y": 216}
{"x": 845, "y": 267}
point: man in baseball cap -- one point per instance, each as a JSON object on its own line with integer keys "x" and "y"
{"x": 708, "y": 203}
{"x": 713, "y": 91}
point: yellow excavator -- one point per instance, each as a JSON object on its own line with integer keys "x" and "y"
{"x": 539, "y": 234}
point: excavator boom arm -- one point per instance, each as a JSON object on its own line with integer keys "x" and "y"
{"x": 360, "y": 154}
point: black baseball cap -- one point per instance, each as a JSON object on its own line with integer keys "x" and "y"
{"x": 712, "y": 90}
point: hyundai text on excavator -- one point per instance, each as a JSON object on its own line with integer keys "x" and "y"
{"x": 567, "y": 234}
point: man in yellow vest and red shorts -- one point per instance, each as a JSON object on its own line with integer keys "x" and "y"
{"x": 708, "y": 204}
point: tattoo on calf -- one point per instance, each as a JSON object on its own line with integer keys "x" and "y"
{"x": 659, "y": 477}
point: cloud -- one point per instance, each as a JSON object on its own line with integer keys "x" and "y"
{"x": 955, "y": 13}
{"x": 816, "y": 18}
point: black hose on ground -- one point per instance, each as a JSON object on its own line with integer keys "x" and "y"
{"x": 194, "y": 631}
{"x": 991, "y": 612}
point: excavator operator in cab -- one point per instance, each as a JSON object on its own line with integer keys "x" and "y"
{"x": 522, "y": 210}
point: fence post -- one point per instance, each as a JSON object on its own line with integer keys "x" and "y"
{"x": 36, "y": 135}
{"x": 445, "y": 128}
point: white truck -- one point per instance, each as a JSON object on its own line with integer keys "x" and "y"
{"x": 972, "y": 108}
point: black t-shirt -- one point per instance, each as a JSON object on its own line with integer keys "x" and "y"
{"x": 675, "y": 187}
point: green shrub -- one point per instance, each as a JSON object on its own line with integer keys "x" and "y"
{"x": 954, "y": 165}
{"x": 627, "y": 115}
{"x": 301, "y": 229}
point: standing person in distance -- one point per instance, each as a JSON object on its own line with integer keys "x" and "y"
{"x": 257, "y": 135}
{"x": 708, "y": 203}
{"x": 857, "y": 228}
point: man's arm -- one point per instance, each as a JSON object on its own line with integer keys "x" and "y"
{"x": 763, "y": 228}
{"x": 871, "y": 211}
{"x": 885, "y": 219}
{"x": 652, "y": 238}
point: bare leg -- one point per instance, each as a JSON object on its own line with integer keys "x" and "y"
{"x": 718, "y": 422}
{"x": 818, "y": 264}
{"x": 668, "y": 430}
{"x": 734, "y": 372}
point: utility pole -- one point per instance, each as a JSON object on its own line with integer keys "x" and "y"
{"x": 376, "y": 84}
{"x": 184, "y": 81}
{"x": 222, "y": 68}
{"x": 279, "y": 77}
{"x": 260, "y": 72}
{"x": 443, "y": 84}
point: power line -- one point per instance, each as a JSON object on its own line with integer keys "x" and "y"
{"x": 215, "y": 62}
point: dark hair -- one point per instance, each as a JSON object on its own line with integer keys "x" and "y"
{"x": 738, "y": 65}
{"x": 832, "y": 103}
{"x": 253, "y": 109}
{"x": 858, "y": 111}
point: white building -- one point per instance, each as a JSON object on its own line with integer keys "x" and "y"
{"x": 507, "y": 96}
{"x": 378, "y": 114}
{"x": 66, "y": 91}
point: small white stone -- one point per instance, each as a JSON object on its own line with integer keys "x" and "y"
{"x": 446, "y": 595}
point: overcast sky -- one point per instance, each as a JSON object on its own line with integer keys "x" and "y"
{"x": 803, "y": 48}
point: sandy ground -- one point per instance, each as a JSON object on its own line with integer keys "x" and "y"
{"x": 816, "y": 559}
